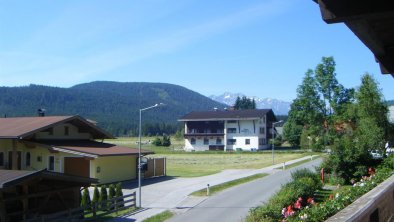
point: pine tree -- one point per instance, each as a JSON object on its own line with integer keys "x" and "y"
{"x": 103, "y": 197}
{"x": 96, "y": 196}
{"x": 111, "y": 194}
{"x": 85, "y": 198}
{"x": 119, "y": 192}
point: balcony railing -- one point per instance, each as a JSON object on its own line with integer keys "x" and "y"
{"x": 204, "y": 134}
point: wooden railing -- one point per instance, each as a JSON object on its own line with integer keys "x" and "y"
{"x": 91, "y": 212}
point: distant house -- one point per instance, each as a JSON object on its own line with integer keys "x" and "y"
{"x": 228, "y": 129}
{"x": 64, "y": 144}
{"x": 391, "y": 114}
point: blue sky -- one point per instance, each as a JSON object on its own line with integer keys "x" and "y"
{"x": 256, "y": 47}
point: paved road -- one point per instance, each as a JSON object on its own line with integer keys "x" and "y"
{"x": 234, "y": 204}
{"x": 172, "y": 194}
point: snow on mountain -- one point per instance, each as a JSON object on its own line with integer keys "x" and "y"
{"x": 278, "y": 106}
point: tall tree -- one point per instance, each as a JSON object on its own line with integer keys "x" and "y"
{"x": 326, "y": 77}
{"x": 372, "y": 110}
{"x": 351, "y": 154}
{"x": 370, "y": 101}
{"x": 306, "y": 109}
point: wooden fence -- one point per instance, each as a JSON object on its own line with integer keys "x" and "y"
{"x": 91, "y": 212}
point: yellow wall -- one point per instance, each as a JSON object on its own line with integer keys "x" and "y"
{"x": 36, "y": 154}
{"x": 114, "y": 168}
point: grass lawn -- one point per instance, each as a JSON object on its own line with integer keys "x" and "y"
{"x": 223, "y": 186}
{"x": 195, "y": 164}
{"x": 201, "y": 164}
{"x": 160, "y": 217}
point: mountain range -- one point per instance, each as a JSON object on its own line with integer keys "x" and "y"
{"x": 278, "y": 106}
{"x": 114, "y": 105}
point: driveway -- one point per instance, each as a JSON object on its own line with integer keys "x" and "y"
{"x": 167, "y": 193}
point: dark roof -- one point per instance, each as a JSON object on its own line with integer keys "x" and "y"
{"x": 371, "y": 21}
{"x": 22, "y": 127}
{"x": 9, "y": 178}
{"x": 227, "y": 115}
{"x": 91, "y": 147}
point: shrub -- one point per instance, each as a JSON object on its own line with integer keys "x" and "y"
{"x": 304, "y": 184}
{"x": 157, "y": 141}
{"x": 85, "y": 198}
{"x": 103, "y": 197}
{"x": 119, "y": 193}
{"x": 342, "y": 198}
{"x": 111, "y": 194}
{"x": 96, "y": 196}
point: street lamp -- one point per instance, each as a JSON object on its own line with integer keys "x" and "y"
{"x": 139, "y": 151}
{"x": 273, "y": 140}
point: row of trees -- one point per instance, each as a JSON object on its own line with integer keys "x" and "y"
{"x": 102, "y": 196}
{"x": 244, "y": 103}
{"x": 351, "y": 122}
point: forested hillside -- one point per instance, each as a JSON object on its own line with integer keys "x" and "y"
{"x": 114, "y": 105}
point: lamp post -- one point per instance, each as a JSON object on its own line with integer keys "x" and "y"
{"x": 273, "y": 140}
{"x": 139, "y": 152}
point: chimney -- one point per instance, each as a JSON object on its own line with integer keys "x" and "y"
{"x": 41, "y": 112}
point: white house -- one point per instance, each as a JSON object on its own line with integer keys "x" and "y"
{"x": 391, "y": 114}
{"x": 228, "y": 129}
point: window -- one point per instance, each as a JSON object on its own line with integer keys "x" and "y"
{"x": 262, "y": 141}
{"x": 232, "y": 121}
{"x": 206, "y": 141}
{"x": 218, "y": 141}
{"x": 231, "y": 141}
{"x": 231, "y": 130}
{"x": 66, "y": 131}
{"x": 51, "y": 163}
{"x": 1, "y": 159}
{"x": 247, "y": 141}
{"x": 27, "y": 159}
{"x": 193, "y": 141}
{"x": 262, "y": 130}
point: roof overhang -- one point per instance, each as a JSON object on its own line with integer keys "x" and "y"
{"x": 16, "y": 177}
{"x": 371, "y": 21}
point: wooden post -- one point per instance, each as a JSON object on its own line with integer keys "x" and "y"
{"x": 154, "y": 167}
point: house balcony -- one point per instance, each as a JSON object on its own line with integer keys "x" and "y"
{"x": 195, "y": 134}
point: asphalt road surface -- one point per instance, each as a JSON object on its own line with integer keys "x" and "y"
{"x": 234, "y": 203}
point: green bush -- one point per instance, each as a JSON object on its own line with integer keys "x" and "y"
{"x": 111, "y": 194}
{"x": 342, "y": 198}
{"x": 103, "y": 197}
{"x": 389, "y": 162}
{"x": 96, "y": 196}
{"x": 119, "y": 192}
{"x": 304, "y": 184}
{"x": 85, "y": 201}
{"x": 157, "y": 141}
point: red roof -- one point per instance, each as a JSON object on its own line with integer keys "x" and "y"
{"x": 92, "y": 147}
{"x": 21, "y": 127}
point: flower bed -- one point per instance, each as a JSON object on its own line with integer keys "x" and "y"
{"x": 283, "y": 206}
